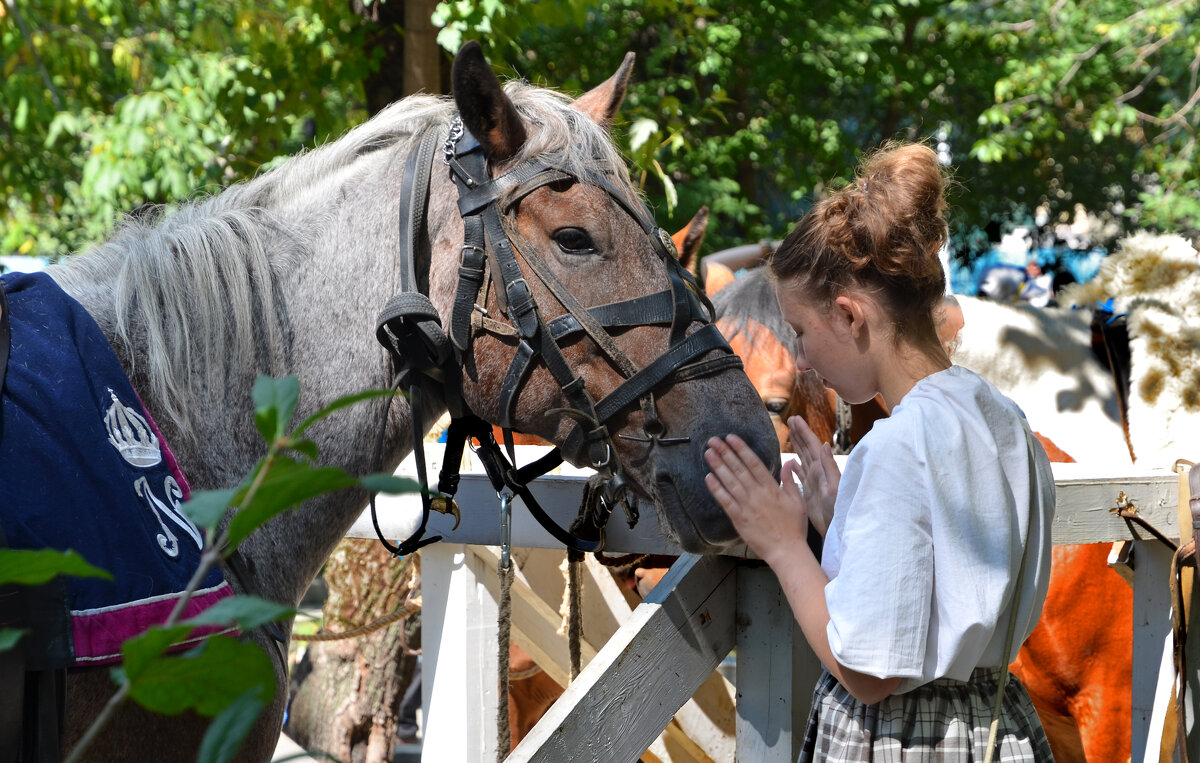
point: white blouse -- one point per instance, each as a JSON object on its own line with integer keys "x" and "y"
{"x": 932, "y": 512}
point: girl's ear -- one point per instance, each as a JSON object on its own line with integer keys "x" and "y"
{"x": 849, "y": 314}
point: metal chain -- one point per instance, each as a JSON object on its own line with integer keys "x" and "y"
{"x": 456, "y": 133}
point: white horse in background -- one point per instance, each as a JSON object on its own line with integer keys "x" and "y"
{"x": 1155, "y": 279}
{"x": 1041, "y": 357}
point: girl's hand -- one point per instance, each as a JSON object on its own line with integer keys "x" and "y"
{"x": 770, "y": 516}
{"x": 818, "y": 473}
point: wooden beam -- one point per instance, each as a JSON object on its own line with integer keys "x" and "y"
{"x": 1085, "y": 495}
{"x": 672, "y": 642}
{"x": 1151, "y": 658}
{"x": 776, "y": 670}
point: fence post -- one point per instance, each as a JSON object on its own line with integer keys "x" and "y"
{"x": 776, "y": 670}
{"x": 459, "y": 665}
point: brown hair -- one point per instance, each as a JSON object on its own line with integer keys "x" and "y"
{"x": 882, "y": 234}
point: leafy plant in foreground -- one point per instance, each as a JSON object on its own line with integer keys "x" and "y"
{"x": 223, "y": 677}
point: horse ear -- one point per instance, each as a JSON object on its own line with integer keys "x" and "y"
{"x": 486, "y": 111}
{"x": 689, "y": 238}
{"x": 601, "y": 102}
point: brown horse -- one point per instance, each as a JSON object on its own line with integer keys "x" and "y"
{"x": 1077, "y": 664}
{"x": 287, "y": 273}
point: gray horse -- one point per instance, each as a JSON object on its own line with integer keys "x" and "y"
{"x": 286, "y": 273}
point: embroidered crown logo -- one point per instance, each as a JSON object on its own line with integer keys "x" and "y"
{"x": 131, "y": 434}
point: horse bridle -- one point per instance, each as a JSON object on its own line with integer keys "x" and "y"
{"x": 430, "y": 362}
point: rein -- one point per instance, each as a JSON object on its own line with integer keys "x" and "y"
{"x": 430, "y": 359}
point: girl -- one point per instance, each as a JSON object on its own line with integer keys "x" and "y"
{"x": 941, "y": 507}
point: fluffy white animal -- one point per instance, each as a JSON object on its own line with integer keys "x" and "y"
{"x": 1156, "y": 280}
{"x": 1042, "y": 359}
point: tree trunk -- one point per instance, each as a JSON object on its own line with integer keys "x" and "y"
{"x": 405, "y": 40}
{"x": 425, "y": 69}
{"x": 347, "y": 696}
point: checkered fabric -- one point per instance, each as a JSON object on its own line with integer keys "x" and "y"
{"x": 944, "y": 721}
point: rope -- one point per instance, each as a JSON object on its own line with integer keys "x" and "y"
{"x": 574, "y": 608}
{"x": 620, "y": 560}
{"x": 405, "y": 610}
{"x": 519, "y": 675}
{"x": 503, "y": 732}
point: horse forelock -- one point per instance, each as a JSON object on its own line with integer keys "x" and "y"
{"x": 581, "y": 147}
{"x": 751, "y": 297}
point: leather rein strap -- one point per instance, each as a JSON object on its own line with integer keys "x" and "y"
{"x": 430, "y": 360}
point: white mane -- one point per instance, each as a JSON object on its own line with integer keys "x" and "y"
{"x": 194, "y": 291}
{"x": 190, "y": 294}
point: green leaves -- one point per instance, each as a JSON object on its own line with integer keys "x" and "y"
{"x": 109, "y": 105}
{"x": 246, "y": 612}
{"x": 35, "y": 567}
{"x": 206, "y": 678}
{"x": 210, "y": 676}
{"x": 285, "y": 484}
{"x": 230, "y": 727}
{"x": 274, "y": 405}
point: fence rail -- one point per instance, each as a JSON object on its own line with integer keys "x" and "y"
{"x": 647, "y": 668}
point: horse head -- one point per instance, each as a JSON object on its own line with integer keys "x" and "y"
{"x": 570, "y": 314}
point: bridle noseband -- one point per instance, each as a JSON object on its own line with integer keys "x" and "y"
{"x": 430, "y": 361}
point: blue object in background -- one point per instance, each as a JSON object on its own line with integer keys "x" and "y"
{"x": 1080, "y": 263}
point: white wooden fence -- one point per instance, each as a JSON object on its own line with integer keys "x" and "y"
{"x": 649, "y": 689}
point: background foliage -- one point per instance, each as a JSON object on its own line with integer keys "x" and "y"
{"x": 749, "y": 106}
{"x": 109, "y": 105}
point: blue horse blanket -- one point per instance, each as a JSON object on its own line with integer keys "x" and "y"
{"x": 83, "y": 467}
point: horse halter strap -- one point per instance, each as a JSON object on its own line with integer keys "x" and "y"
{"x": 410, "y": 327}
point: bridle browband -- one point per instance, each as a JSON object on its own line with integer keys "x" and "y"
{"x": 430, "y": 361}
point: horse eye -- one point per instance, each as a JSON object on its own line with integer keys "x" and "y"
{"x": 776, "y": 405}
{"x": 574, "y": 241}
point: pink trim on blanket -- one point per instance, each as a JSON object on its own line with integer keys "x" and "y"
{"x": 99, "y": 632}
{"x": 168, "y": 454}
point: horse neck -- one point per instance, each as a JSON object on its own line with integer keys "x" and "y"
{"x": 331, "y": 300}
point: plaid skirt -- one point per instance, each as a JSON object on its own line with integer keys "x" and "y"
{"x": 940, "y": 722}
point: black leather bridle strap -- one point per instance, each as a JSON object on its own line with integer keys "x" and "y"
{"x": 414, "y": 197}
{"x": 527, "y": 177}
{"x": 649, "y": 309}
{"x": 468, "y": 168}
{"x": 589, "y": 324}
{"x": 424, "y": 339}
{"x": 704, "y": 339}
{"x": 503, "y": 475}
